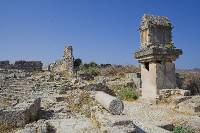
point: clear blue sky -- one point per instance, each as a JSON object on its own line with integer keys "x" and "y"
{"x": 105, "y": 31}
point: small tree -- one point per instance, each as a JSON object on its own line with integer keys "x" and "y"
{"x": 77, "y": 64}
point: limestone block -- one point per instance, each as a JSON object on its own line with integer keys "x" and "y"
{"x": 21, "y": 114}
{"x": 110, "y": 103}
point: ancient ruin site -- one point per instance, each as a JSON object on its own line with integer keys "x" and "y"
{"x": 71, "y": 95}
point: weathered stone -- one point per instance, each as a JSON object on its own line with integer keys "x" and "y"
{"x": 110, "y": 103}
{"x": 65, "y": 64}
{"x": 21, "y": 114}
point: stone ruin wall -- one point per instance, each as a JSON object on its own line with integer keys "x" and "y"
{"x": 22, "y": 65}
{"x": 66, "y": 63}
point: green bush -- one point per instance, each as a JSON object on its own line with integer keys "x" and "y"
{"x": 125, "y": 93}
{"x": 180, "y": 129}
{"x": 91, "y": 69}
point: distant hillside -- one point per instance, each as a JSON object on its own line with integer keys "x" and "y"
{"x": 189, "y": 70}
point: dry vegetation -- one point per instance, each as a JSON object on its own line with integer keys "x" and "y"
{"x": 190, "y": 81}
{"x": 4, "y": 128}
{"x": 118, "y": 70}
{"x": 80, "y": 102}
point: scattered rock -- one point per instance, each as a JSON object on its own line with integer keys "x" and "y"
{"x": 190, "y": 106}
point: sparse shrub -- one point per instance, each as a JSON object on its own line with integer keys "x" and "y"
{"x": 126, "y": 93}
{"x": 81, "y": 103}
{"x": 92, "y": 69}
{"x": 180, "y": 129}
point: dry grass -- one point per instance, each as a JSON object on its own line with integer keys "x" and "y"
{"x": 119, "y": 70}
{"x": 190, "y": 81}
{"x": 4, "y": 128}
{"x": 80, "y": 103}
{"x": 5, "y": 103}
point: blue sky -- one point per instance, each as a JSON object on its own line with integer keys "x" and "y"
{"x": 105, "y": 31}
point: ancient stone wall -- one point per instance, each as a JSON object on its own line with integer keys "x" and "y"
{"x": 28, "y": 65}
{"x": 22, "y": 65}
{"x": 66, "y": 63}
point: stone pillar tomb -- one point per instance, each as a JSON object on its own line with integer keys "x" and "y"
{"x": 156, "y": 55}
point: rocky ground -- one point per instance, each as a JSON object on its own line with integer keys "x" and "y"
{"x": 68, "y": 105}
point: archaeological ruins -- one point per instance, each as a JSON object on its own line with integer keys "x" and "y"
{"x": 98, "y": 98}
{"x": 66, "y": 63}
{"x": 156, "y": 55}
